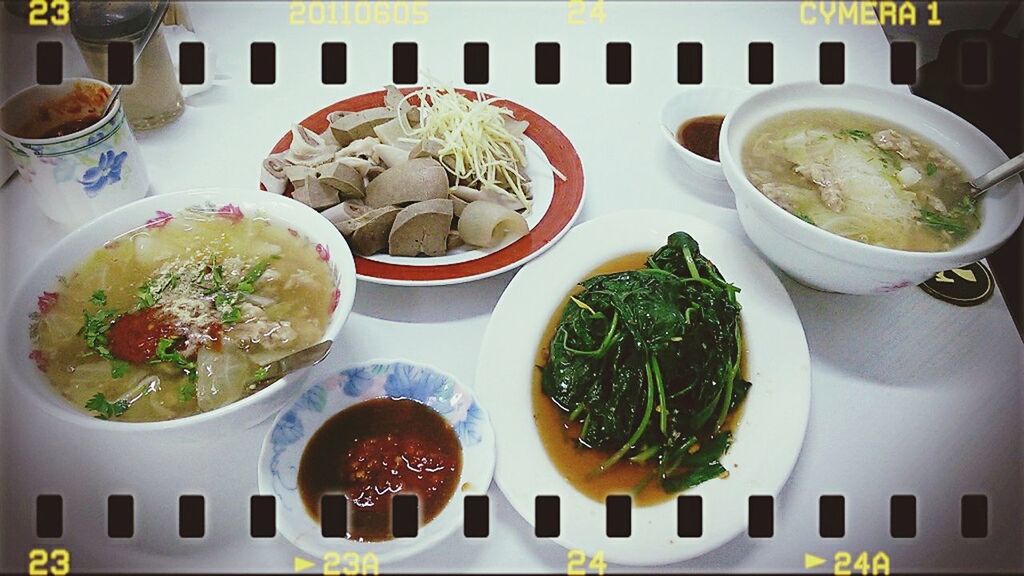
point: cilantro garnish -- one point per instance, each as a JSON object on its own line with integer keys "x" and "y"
{"x": 166, "y": 353}
{"x": 931, "y": 169}
{"x": 94, "y": 331}
{"x": 187, "y": 391}
{"x": 226, "y": 299}
{"x": 953, "y": 221}
{"x": 248, "y": 283}
{"x": 104, "y": 408}
{"x": 119, "y": 368}
{"x": 99, "y": 298}
{"x": 804, "y": 216}
{"x": 856, "y": 134}
{"x": 231, "y": 316}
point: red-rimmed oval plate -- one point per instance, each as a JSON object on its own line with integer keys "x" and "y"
{"x": 556, "y": 205}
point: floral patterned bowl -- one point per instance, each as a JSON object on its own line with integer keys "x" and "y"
{"x": 24, "y": 365}
{"x": 287, "y": 439}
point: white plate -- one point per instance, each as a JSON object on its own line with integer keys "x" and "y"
{"x": 768, "y": 436}
{"x": 287, "y": 439}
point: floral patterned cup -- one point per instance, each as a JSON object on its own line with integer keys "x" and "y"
{"x": 81, "y": 175}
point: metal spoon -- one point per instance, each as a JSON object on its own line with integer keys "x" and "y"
{"x": 269, "y": 373}
{"x": 158, "y": 17}
{"x": 276, "y": 370}
{"x": 982, "y": 183}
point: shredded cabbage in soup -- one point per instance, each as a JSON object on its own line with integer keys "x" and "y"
{"x": 177, "y": 318}
{"x": 861, "y": 178}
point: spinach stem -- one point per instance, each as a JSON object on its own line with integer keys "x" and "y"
{"x": 662, "y": 403}
{"x": 733, "y": 371}
{"x": 690, "y": 264}
{"x": 577, "y": 411}
{"x": 646, "y": 454}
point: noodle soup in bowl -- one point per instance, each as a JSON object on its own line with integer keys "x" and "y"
{"x": 846, "y": 152}
{"x": 159, "y": 316}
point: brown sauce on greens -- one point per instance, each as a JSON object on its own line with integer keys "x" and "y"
{"x": 560, "y": 436}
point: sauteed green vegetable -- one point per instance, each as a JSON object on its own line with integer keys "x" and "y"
{"x": 649, "y": 361}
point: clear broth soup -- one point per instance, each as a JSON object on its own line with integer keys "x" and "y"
{"x": 862, "y": 178}
{"x": 177, "y": 317}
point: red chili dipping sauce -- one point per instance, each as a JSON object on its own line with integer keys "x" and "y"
{"x": 373, "y": 450}
{"x": 74, "y": 111}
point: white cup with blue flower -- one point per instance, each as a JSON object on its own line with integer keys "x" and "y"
{"x": 79, "y": 165}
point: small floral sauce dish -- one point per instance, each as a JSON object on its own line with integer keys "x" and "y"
{"x": 296, "y": 424}
{"x": 85, "y": 171}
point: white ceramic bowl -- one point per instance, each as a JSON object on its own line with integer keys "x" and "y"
{"x": 288, "y": 437}
{"x": 693, "y": 102}
{"x": 770, "y": 430}
{"x": 830, "y": 262}
{"x": 70, "y": 252}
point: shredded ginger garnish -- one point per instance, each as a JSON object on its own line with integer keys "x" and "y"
{"x": 474, "y": 138}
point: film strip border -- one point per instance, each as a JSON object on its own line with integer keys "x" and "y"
{"x": 690, "y": 513}
{"x": 974, "y": 61}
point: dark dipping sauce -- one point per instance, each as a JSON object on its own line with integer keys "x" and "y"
{"x": 373, "y": 450}
{"x": 72, "y": 126}
{"x": 700, "y": 135}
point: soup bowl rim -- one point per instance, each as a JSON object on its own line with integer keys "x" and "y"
{"x": 54, "y": 263}
{"x": 821, "y": 240}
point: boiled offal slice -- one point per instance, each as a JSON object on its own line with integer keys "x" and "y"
{"x": 422, "y": 228}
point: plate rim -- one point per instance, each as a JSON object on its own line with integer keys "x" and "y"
{"x": 499, "y": 261}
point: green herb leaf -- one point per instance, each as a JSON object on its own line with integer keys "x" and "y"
{"x": 118, "y": 368}
{"x": 165, "y": 353}
{"x": 146, "y": 298}
{"x": 94, "y": 331}
{"x": 248, "y": 283}
{"x": 856, "y": 134}
{"x": 942, "y": 222}
{"x": 232, "y": 316}
{"x": 186, "y": 391}
{"x": 104, "y": 408}
{"x": 803, "y": 216}
{"x": 931, "y": 169}
{"x": 953, "y": 221}
{"x": 99, "y": 298}
{"x": 259, "y": 374}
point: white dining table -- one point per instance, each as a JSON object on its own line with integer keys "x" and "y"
{"x": 910, "y": 395}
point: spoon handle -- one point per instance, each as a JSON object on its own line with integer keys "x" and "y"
{"x": 989, "y": 179}
{"x": 158, "y": 16}
{"x": 276, "y": 370}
